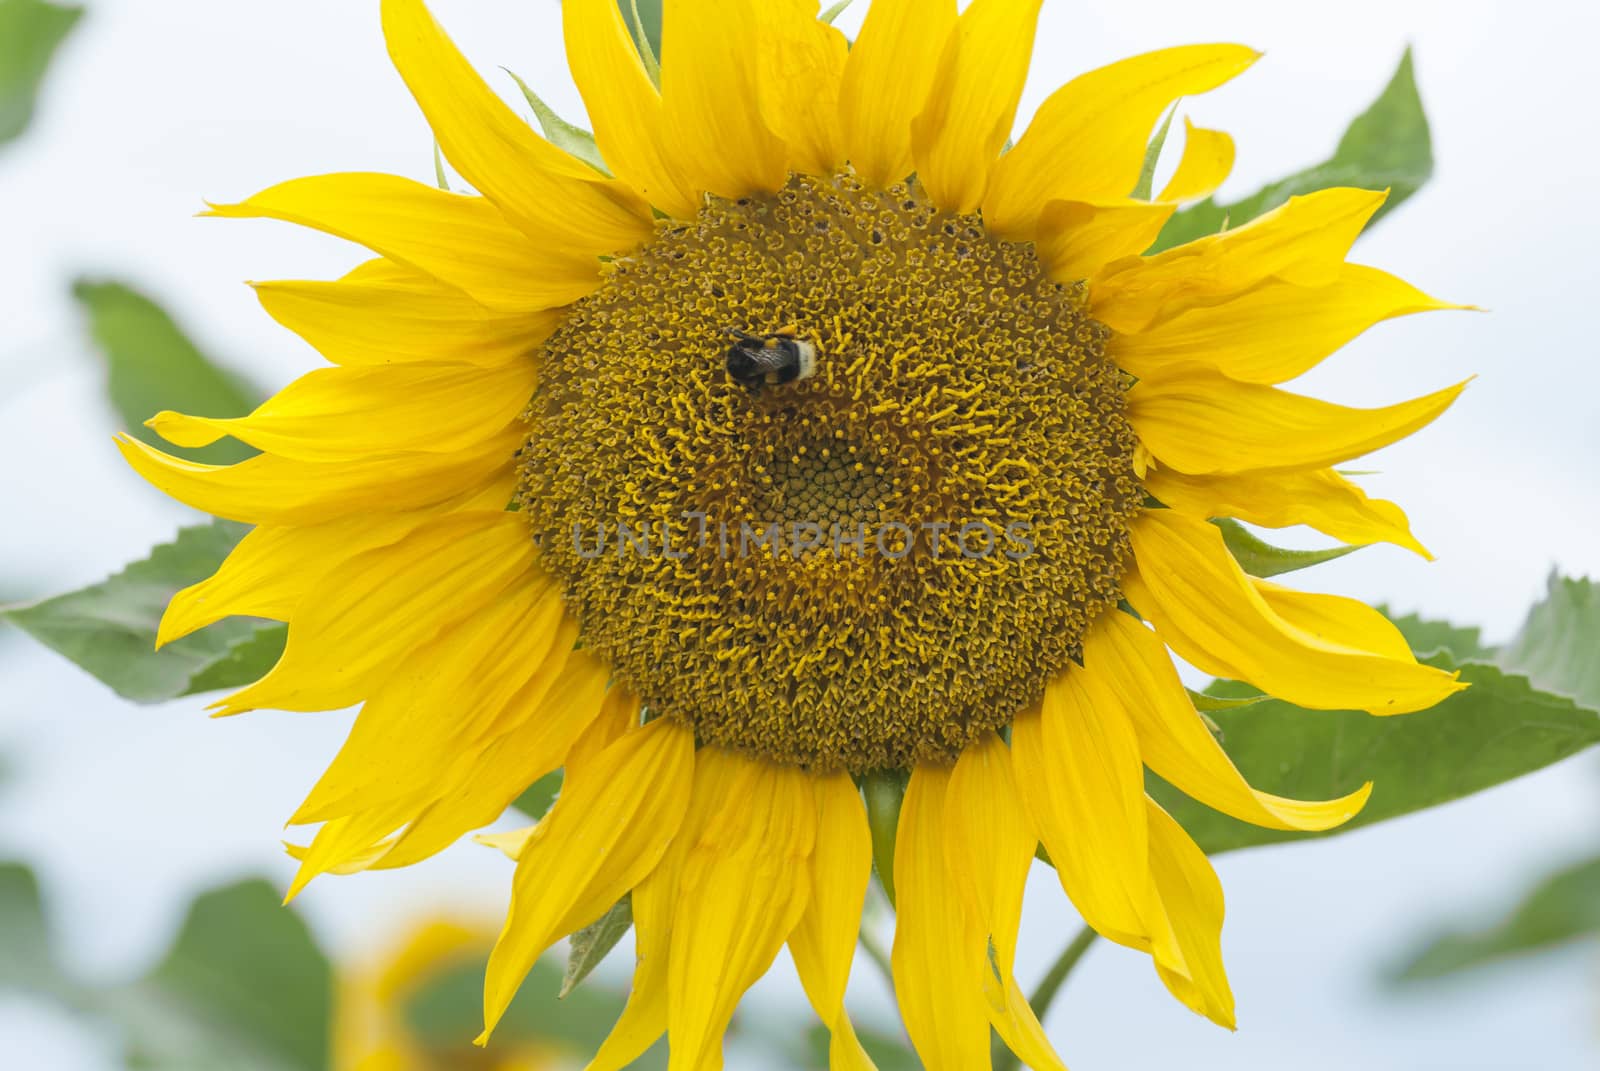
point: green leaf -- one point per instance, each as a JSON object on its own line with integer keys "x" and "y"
{"x": 1464, "y": 644}
{"x": 1562, "y": 908}
{"x": 447, "y": 1012}
{"x": 560, "y": 133}
{"x": 1260, "y": 558}
{"x": 1559, "y": 645}
{"x": 244, "y": 986}
{"x": 1385, "y": 147}
{"x": 27, "y": 962}
{"x": 153, "y": 366}
{"x": 30, "y": 33}
{"x": 589, "y": 947}
{"x": 1500, "y": 728}
{"x": 110, "y": 628}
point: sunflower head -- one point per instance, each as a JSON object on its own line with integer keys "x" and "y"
{"x": 800, "y": 428}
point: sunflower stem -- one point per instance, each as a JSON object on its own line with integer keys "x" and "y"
{"x": 1045, "y": 994}
{"x": 873, "y": 946}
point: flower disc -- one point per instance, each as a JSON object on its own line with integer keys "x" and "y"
{"x": 863, "y": 567}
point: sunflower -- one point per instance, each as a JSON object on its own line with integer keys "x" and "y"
{"x": 370, "y": 1028}
{"x": 805, "y": 431}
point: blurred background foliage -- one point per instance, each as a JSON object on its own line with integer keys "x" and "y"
{"x": 245, "y": 984}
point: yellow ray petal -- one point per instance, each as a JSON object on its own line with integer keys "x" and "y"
{"x": 1319, "y": 498}
{"x": 1087, "y": 141}
{"x": 961, "y": 129}
{"x": 710, "y": 93}
{"x": 1303, "y": 242}
{"x": 991, "y": 849}
{"x": 802, "y": 59}
{"x": 1080, "y": 776}
{"x": 886, "y": 82}
{"x": 824, "y": 942}
{"x": 551, "y": 196}
{"x": 399, "y": 745}
{"x": 1207, "y": 159}
{"x": 623, "y": 105}
{"x": 544, "y": 724}
{"x": 273, "y": 490}
{"x": 742, "y": 891}
{"x": 1207, "y": 610}
{"x": 347, "y": 414}
{"x": 272, "y": 568}
{"x": 1191, "y": 897}
{"x": 934, "y": 935}
{"x": 1337, "y": 620}
{"x": 406, "y": 316}
{"x": 1199, "y": 421}
{"x": 1277, "y": 330}
{"x": 386, "y": 602}
{"x": 1177, "y": 745}
{"x": 459, "y": 240}
{"x": 605, "y": 833}
{"x": 1077, "y": 238}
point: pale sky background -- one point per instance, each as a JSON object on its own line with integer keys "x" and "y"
{"x": 126, "y": 811}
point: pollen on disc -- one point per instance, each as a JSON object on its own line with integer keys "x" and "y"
{"x": 951, "y": 485}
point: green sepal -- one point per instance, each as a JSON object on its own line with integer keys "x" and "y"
{"x": 1261, "y": 559}
{"x": 560, "y": 133}
{"x": 884, "y": 791}
{"x": 587, "y": 948}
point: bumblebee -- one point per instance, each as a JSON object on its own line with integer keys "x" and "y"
{"x": 755, "y": 361}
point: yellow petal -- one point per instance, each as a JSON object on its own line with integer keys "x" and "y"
{"x": 386, "y": 602}
{"x": 1191, "y": 898}
{"x": 551, "y": 196}
{"x": 272, "y": 568}
{"x": 623, "y": 105}
{"x": 742, "y": 891}
{"x": 273, "y": 490}
{"x": 1337, "y": 620}
{"x": 710, "y": 94}
{"x": 934, "y": 935}
{"x": 1207, "y": 159}
{"x": 347, "y": 414}
{"x": 1080, "y": 777}
{"x": 1197, "y": 420}
{"x": 1077, "y": 238}
{"x": 803, "y": 61}
{"x": 605, "y": 833}
{"x": 1277, "y": 330}
{"x": 1087, "y": 141}
{"x": 459, "y": 240}
{"x": 405, "y": 316}
{"x": 1303, "y": 242}
{"x": 399, "y": 746}
{"x": 824, "y": 942}
{"x": 1177, "y": 745}
{"x": 545, "y": 722}
{"x": 991, "y": 850}
{"x": 886, "y": 81}
{"x": 1206, "y": 609}
{"x": 961, "y": 129}
{"x": 1319, "y": 498}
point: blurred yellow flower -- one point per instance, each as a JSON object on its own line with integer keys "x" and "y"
{"x": 842, "y": 439}
{"x": 370, "y": 1030}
